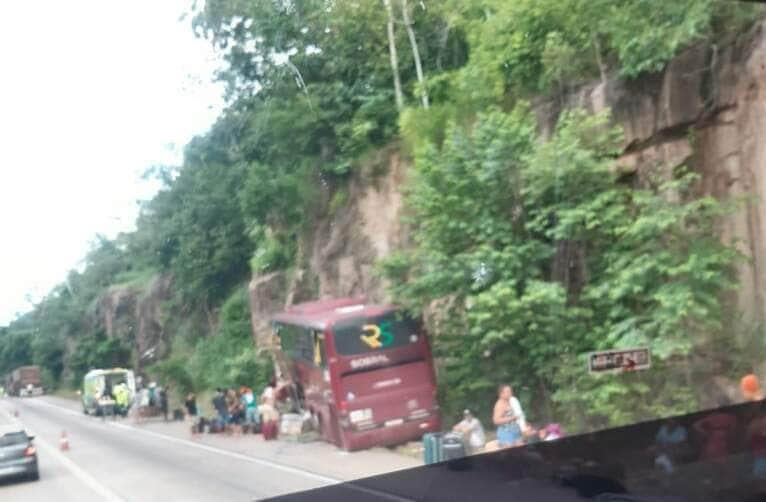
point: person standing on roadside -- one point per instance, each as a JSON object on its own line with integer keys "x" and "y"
{"x": 163, "y": 397}
{"x": 250, "y": 406}
{"x": 233, "y": 407}
{"x": 268, "y": 408}
{"x": 192, "y": 413}
{"x": 269, "y": 395}
{"x": 122, "y": 398}
{"x": 508, "y": 417}
{"x": 219, "y": 404}
{"x": 751, "y": 388}
{"x": 141, "y": 404}
{"x": 153, "y": 395}
{"x": 191, "y": 405}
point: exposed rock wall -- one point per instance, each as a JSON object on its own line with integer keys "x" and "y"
{"x": 135, "y": 315}
{"x": 346, "y": 246}
{"x": 338, "y": 255}
{"x": 706, "y": 110}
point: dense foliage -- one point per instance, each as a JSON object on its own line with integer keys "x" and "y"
{"x": 538, "y": 253}
{"x": 535, "y": 251}
{"x": 228, "y": 359}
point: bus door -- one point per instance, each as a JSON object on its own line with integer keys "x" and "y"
{"x": 319, "y": 375}
{"x": 318, "y": 389}
{"x": 306, "y": 352}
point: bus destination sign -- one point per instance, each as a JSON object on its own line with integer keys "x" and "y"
{"x": 619, "y": 361}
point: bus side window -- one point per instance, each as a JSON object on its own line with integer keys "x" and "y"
{"x": 306, "y": 347}
{"x": 320, "y": 356}
{"x": 288, "y": 339}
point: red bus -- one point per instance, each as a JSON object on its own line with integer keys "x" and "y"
{"x": 365, "y": 372}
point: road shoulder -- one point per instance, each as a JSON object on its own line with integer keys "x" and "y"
{"x": 318, "y": 457}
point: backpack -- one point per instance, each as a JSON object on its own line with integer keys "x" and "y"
{"x": 270, "y": 430}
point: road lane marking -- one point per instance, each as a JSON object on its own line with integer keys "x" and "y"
{"x": 239, "y": 456}
{"x": 78, "y": 472}
{"x": 211, "y": 449}
{"x": 231, "y": 454}
{"x": 286, "y": 468}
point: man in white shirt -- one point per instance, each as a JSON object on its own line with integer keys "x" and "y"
{"x": 472, "y": 429}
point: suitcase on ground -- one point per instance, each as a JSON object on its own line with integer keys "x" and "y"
{"x": 432, "y": 448}
{"x": 270, "y": 430}
{"x": 452, "y": 446}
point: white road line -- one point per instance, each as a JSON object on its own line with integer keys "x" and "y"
{"x": 106, "y": 494}
{"x": 60, "y": 408}
{"x": 212, "y": 449}
{"x": 293, "y": 470}
{"x": 230, "y": 454}
{"x": 239, "y": 456}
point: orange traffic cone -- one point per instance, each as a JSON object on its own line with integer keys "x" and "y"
{"x": 64, "y": 442}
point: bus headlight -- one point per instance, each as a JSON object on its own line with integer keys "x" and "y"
{"x": 362, "y": 415}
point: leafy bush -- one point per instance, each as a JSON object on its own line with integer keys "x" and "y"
{"x": 174, "y": 371}
{"x": 229, "y": 358}
{"x": 96, "y": 350}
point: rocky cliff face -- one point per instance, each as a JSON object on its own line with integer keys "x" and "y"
{"x": 337, "y": 257}
{"x": 707, "y": 110}
{"x": 135, "y": 315}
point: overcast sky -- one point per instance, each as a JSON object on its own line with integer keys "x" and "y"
{"x": 92, "y": 93}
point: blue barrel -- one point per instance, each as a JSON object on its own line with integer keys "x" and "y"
{"x": 432, "y": 448}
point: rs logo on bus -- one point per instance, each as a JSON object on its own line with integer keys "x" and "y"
{"x": 379, "y": 336}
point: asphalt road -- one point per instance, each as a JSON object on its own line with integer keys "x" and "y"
{"x": 110, "y": 461}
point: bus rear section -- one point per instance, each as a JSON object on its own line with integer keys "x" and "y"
{"x": 386, "y": 385}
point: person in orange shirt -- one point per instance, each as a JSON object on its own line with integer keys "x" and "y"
{"x": 751, "y": 388}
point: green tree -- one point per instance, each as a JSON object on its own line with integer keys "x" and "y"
{"x": 229, "y": 358}
{"x": 14, "y": 349}
{"x": 96, "y": 350}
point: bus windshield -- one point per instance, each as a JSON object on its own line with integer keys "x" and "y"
{"x": 363, "y": 335}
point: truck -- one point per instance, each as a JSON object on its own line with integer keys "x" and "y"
{"x": 101, "y": 391}
{"x": 24, "y": 381}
